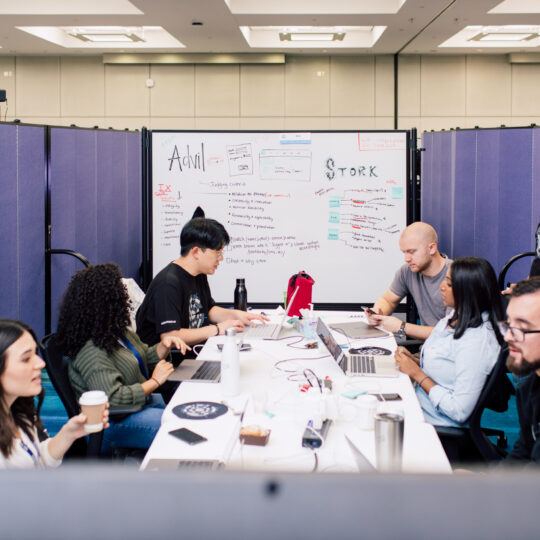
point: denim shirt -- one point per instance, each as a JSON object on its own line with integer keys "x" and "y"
{"x": 459, "y": 367}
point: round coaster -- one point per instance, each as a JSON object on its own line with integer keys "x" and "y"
{"x": 370, "y": 350}
{"x": 200, "y": 410}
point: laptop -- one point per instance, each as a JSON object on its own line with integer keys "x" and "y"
{"x": 269, "y": 330}
{"x": 362, "y": 462}
{"x": 197, "y": 371}
{"x": 358, "y": 330}
{"x": 211, "y": 455}
{"x": 355, "y": 365}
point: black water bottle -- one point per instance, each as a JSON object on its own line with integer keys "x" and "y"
{"x": 240, "y": 295}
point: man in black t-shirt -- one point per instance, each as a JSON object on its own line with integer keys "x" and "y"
{"x": 522, "y": 333}
{"x": 179, "y": 302}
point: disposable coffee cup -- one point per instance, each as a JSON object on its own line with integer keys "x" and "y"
{"x": 367, "y": 407}
{"x": 389, "y": 441}
{"x": 92, "y": 405}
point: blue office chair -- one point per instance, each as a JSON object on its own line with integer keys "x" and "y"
{"x": 56, "y": 364}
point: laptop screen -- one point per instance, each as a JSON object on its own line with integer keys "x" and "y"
{"x": 328, "y": 339}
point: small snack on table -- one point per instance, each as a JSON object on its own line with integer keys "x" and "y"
{"x": 254, "y": 435}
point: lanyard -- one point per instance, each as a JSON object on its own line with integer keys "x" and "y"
{"x": 137, "y": 356}
{"x": 27, "y": 449}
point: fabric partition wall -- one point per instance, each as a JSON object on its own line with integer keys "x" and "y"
{"x": 96, "y": 202}
{"x": 22, "y": 232}
{"x": 481, "y": 192}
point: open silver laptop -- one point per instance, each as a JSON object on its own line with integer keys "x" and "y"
{"x": 269, "y": 330}
{"x": 197, "y": 370}
{"x": 358, "y": 330}
{"x": 369, "y": 365}
{"x": 211, "y": 458}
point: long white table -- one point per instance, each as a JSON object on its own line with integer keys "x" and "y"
{"x": 287, "y": 410}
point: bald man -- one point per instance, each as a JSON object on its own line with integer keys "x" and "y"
{"x": 421, "y": 276}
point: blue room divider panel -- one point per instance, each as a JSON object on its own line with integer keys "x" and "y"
{"x": 96, "y": 202}
{"x": 22, "y": 237}
{"x": 463, "y": 196}
{"x": 493, "y": 206}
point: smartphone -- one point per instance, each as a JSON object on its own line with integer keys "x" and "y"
{"x": 368, "y": 310}
{"x": 243, "y": 347}
{"x": 187, "y": 435}
{"x": 387, "y": 397}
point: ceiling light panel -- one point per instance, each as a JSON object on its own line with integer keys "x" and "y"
{"x": 312, "y": 36}
{"x": 105, "y": 37}
{"x": 68, "y": 7}
{"x": 322, "y": 7}
{"x": 516, "y": 6}
{"x": 519, "y": 36}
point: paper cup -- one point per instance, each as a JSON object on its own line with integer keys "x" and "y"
{"x": 367, "y": 407}
{"x": 92, "y": 405}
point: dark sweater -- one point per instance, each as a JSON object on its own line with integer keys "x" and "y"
{"x": 117, "y": 374}
{"x": 527, "y": 447}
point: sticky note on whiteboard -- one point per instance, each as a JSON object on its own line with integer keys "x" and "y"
{"x": 334, "y": 202}
{"x": 397, "y": 193}
{"x": 333, "y": 217}
{"x": 333, "y": 234}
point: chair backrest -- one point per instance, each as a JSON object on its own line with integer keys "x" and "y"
{"x": 57, "y": 368}
{"x": 495, "y": 395}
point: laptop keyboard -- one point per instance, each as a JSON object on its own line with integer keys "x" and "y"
{"x": 261, "y": 331}
{"x": 209, "y": 371}
{"x": 362, "y": 363}
{"x": 198, "y": 464}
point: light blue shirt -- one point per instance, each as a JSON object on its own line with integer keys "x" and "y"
{"x": 459, "y": 367}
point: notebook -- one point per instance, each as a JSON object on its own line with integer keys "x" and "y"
{"x": 269, "y": 330}
{"x": 368, "y": 365}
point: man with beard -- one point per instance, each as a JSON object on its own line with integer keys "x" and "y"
{"x": 421, "y": 276}
{"x": 521, "y": 331}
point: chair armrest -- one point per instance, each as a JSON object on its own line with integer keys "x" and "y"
{"x": 449, "y": 431}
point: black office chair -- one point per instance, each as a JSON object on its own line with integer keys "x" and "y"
{"x": 471, "y": 444}
{"x": 57, "y": 368}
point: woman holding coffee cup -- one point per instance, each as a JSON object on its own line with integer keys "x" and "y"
{"x": 20, "y": 381}
{"x": 93, "y": 331}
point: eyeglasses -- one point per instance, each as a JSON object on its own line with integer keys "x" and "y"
{"x": 518, "y": 334}
{"x": 218, "y": 252}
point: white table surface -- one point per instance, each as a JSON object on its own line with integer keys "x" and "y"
{"x": 287, "y": 411}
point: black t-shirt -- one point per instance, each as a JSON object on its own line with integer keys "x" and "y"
{"x": 174, "y": 300}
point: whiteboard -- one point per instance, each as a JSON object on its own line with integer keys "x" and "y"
{"x": 330, "y": 203}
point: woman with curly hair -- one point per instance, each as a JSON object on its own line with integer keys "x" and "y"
{"x": 20, "y": 381}
{"x": 93, "y": 331}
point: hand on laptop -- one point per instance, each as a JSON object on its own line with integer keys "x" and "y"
{"x": 248, "y": 318}
{"x": 162, "y": 371}
{"x": 171, "y": 342}
{"x": 406, "y": 362}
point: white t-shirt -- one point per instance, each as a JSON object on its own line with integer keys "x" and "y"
{"x": 29, "y": 454}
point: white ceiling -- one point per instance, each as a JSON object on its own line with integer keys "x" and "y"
{"x": 412, "y": 26}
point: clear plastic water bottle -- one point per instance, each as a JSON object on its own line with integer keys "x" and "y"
{"x": 240, "y": 295}
{"x": 230, "y": 365}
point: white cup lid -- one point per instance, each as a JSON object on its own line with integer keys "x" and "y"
{"x": 93, "y": 397}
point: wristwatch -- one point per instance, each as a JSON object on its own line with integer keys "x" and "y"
{"x": 400, "y": 334}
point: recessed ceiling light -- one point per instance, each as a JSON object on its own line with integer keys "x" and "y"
{"x": 108, "y": 38}
{"x": 310, "y": 36}
{"x": 504, "y": 36}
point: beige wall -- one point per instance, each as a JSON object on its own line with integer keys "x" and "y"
{"x": 308, "y": 92}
